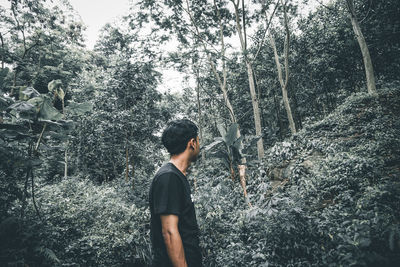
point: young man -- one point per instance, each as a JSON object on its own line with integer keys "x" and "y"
{"x": 174, "y": 230}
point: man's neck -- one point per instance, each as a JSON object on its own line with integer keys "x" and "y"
{"x": 181, "y": 163}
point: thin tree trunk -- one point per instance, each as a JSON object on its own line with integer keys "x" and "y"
{"x": 66, "y": 145}
{"x": 369, "y": 69}
{"x": 133, "y": 173}
{"x": 66, "y": 161}
{"x": 278, "y": 116}
{"x": 283, "y": 86}
{"x": 2, "y": 48}
{"x": 284, "y": 83}
{"x": 200, "y": 119}
{"x": 127, "y": 164}
{"x": 25, "y": 192}
{"x": 126, "y": 158}
{"x": 297, "y": 114}
{"x": 33, "y": 196}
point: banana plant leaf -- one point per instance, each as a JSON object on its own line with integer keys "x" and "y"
{"x": 230, "y": 136}
{"x": 29, "y": 93}
{"x": 218, "y": 140}
{"x": 24, "y": 109}
{"x": 48, "y": 112}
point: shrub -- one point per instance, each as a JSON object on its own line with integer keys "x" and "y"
{"x": 91, "y": 225}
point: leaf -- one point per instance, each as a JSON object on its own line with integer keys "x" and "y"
{"x": 60, "y": 94}
{"x": 5, "y": 102}
{"x": 51, "y": 122}
{"x": 48, "y": 254}
{"x": 48, "y": 112}
{"x": 14, "y": 127}
{"x": 213, "y": 144}
{"x": 37, "y": 102}
{"x": 23, "y": 110}
{"x": 364, "y": 242}
{"x": 238, "y": 143}
{"x": 230, "y": 136}
{"x": 13, "y": 135}
{"x": 35, "y": 162}
{"x": 28, "y": 93}
{"x": 220, "y": 154}
{"x": 57, "y": 136}
{"x": 222, "y": 131}
{"x": 22, "y": 107}
{"x": 54, "y": 85}
{"x": 251, "y": 142}
{"x": 79, "y": 108}
{"x": 236, "y": 155}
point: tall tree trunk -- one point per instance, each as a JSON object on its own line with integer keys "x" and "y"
{"x": 283, "y": 86}
{"x": 250, "y": 75}
{"x": 369, "y": 69}
{"x": 256, "y": 111}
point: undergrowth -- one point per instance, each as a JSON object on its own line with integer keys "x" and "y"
{"x": 328, "y": 196}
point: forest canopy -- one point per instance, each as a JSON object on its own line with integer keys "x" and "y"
{"x": 297, "y": 104}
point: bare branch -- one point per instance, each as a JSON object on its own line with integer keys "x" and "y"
{"x": 266, "y": 29}
{"x": 287, "y": 44}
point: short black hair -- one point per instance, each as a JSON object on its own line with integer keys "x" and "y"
{"x": 177, "y": 134}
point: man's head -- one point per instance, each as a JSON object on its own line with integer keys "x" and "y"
{"x": 180, "y": 135}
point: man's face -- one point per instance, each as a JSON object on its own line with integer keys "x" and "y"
{"x": 196, "y": 150}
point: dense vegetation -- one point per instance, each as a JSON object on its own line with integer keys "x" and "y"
{"x": 292, "y": 99}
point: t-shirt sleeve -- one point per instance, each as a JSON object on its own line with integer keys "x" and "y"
{"x": 167, "y": 194}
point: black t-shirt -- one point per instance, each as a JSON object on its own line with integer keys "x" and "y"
{"x": 170, "y": 194}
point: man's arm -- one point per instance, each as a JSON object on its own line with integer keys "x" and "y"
{"x": 173, "y": 241}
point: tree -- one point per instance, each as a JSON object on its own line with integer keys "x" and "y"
{"x": 119, "y": 136}
{"x": 284, "y": 82}
{"x": 369, "y": 69}
{"x": 241, "y": 30}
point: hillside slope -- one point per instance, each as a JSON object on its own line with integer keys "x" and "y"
{"x": 329, "y": 196}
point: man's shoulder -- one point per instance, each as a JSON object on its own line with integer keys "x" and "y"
{"x": 165, "y": 169}
{"x": 166, "y": 172}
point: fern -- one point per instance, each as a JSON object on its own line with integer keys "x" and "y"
{"x": 48, "y": 254}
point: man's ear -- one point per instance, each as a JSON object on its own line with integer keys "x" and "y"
{"x": 189, "y": 144}
{"x": 192, "y": 143}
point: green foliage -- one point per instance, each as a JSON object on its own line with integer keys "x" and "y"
{"x": 327, "y": 196}
{"x": 124, "y": 116}
{"x": 233, "y": 149}
{"x": 230, "y": 154}
{"x": 91, "y": 225}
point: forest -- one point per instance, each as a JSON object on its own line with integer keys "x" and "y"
{"x": 298, "y": 109}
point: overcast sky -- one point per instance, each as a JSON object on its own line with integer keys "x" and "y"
{"x": 96, "y": 13}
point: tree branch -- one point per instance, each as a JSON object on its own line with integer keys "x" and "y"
{"x": 266, "y": 30}
{"x": 287, "y": 44}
